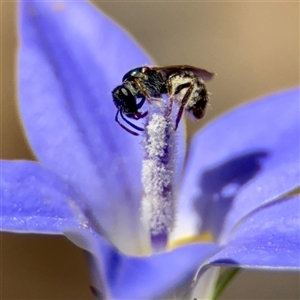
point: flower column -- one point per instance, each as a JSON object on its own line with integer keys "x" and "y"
{"x": 158, "y": 203}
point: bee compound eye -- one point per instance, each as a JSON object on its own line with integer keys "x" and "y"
{"x": 124, "y": 91}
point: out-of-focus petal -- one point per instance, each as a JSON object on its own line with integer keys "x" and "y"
{"x": 158, "y": 276}
{"x": 71, "y": 57}
{"x": 36, "y": 200}
{"x": 267, "y": 238}
{"x": 240, "y": 161}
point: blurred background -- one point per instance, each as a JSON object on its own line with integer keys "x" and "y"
{"x": 254, "y": 49}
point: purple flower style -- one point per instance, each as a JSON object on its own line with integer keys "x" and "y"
{"x": 237, "y": 184}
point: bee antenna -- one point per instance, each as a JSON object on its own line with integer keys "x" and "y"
{"x": 128, "y": 122}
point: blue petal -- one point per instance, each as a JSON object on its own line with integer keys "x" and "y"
{"x": 170, "y": 273}
{"x": 118, "y": 276}
{"x": 240, "y": 161}
{"x": 71, "y": 57}
{"x": 35, "y": 200}
{"x": 267, "y": 238}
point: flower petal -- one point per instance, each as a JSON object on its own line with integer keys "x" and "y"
{"x": 35, "y": 200}
{"x": 267, "y": 238}
{"x": 240, "y": 161}
{"x": 71, "y": 57}
{"x": 118, "y": 276}
{"x": 160, "y": 275}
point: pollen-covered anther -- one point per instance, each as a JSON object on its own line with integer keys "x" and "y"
{"x": 156, "y": 131}
{"x": 158, "y": 203}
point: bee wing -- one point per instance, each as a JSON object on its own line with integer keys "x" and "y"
{"x": 201, "y": 73}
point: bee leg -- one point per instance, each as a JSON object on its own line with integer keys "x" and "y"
{"x": 146, "y": 95}
{"x": 170, "y": 107}
{"x": 131, "y": 124}
{"x": 155, "y": 99}
{"x": 140, "y": 115}
{"x": 175, "y": 91}
{"x": 183, "y": 103}
{"x": 142, "y": 90}
{"x": 124, "y": 127}
{"x": 139, "y": 105}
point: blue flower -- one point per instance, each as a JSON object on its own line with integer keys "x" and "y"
{"x": 237, "y": 184}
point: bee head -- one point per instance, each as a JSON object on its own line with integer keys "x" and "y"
{"x": 124, "y": 100}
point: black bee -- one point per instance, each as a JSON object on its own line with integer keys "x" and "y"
{"x": 184, "y": 85}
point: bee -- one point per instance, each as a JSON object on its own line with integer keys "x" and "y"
{"x": 183, "y": 85}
